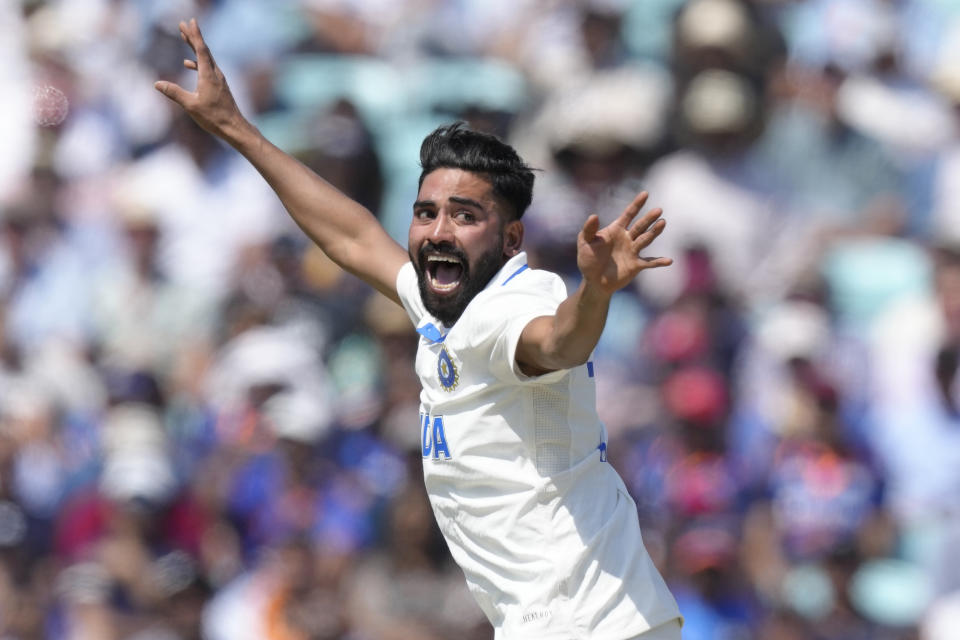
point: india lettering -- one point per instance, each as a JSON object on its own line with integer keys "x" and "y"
{"x": 433, "y": 440}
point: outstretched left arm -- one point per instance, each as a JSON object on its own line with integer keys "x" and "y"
{"x": 608, "y": 259}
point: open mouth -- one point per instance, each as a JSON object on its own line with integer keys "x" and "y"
{"x": 444, "y": 272}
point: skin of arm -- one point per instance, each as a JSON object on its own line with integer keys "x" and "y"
{"x": 608, "y": 259}
{"x": 345, "y": 230}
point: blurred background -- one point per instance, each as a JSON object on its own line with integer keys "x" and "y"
{"x": 207, "y": 430}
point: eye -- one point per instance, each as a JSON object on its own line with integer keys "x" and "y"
{"x": 424, "y": 214}
{"x": 465, "y": 216}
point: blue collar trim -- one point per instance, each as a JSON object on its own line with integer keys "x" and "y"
{"x": 431, "y": 333}
{"x": 514, "y": 275}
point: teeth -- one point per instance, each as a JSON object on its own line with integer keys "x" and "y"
{"x": 443, "y": 259}
{"x": 443, "y": 287}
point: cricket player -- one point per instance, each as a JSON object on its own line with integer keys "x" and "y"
{"x": 514, "y": 455}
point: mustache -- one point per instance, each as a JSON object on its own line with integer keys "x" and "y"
{"x": 445, "y": 248}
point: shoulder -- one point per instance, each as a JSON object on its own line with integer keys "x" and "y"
{"x": 408, "y": 290}
{"x": 502, "y": 310}
{"x": 528, "y": 291}
{"x": 523, "y": 281}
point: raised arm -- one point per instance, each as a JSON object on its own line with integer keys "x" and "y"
{"x": 608, "y": 259}
{"x": 344, "y": 229}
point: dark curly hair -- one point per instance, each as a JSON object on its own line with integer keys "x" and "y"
{"x": 456, "y": 146}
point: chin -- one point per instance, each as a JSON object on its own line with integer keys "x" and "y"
{"x": 446, "y": 308}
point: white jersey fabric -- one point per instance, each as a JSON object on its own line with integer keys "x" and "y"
{"x": 515, "y": 468}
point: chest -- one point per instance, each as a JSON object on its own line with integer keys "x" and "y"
{"x": 450, "y": 371}
{"x": 466, "y": 413}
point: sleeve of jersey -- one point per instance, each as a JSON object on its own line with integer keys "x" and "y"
{"x": 537, "y": 293}
{"x": 409, "y": 292}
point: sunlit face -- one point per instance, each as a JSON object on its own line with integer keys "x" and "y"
{"x": 459, "y": 239}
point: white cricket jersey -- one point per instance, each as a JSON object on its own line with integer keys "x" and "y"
{"x": 516, "y": 472}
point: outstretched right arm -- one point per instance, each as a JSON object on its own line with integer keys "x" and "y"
{"x": 345, "y": 230}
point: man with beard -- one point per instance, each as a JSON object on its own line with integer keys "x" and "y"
{"x": 514, "y": 456}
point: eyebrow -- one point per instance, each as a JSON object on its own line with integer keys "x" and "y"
{"x": 470, "y": 202}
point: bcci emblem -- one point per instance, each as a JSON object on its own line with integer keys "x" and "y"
{"x": 449, "y": 376}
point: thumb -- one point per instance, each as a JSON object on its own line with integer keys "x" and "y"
{"x": 173, "y": 91}
{"x": 590, "y": 228}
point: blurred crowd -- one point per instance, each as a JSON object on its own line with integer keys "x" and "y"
{"x": 207, "y": 430}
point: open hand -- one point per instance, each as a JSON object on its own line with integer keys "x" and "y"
{"x": 609, "y": 258}
{"x": 212, "y": 105}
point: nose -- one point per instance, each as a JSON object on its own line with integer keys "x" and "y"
{"x": 442, "y": 228}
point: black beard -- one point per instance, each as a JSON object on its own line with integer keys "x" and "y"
{"x": 448, "y": 309}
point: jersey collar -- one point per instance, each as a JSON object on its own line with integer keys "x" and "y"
{"x": 512, "y": 268}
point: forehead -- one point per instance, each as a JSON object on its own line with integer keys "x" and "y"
{"x": 441, "y": 184}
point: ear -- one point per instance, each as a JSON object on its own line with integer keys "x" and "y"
{"x": 512, "y": 238}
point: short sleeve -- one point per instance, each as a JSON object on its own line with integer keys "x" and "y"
{"x": 509, "y": 311}
{"x": 409, "y": 292}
